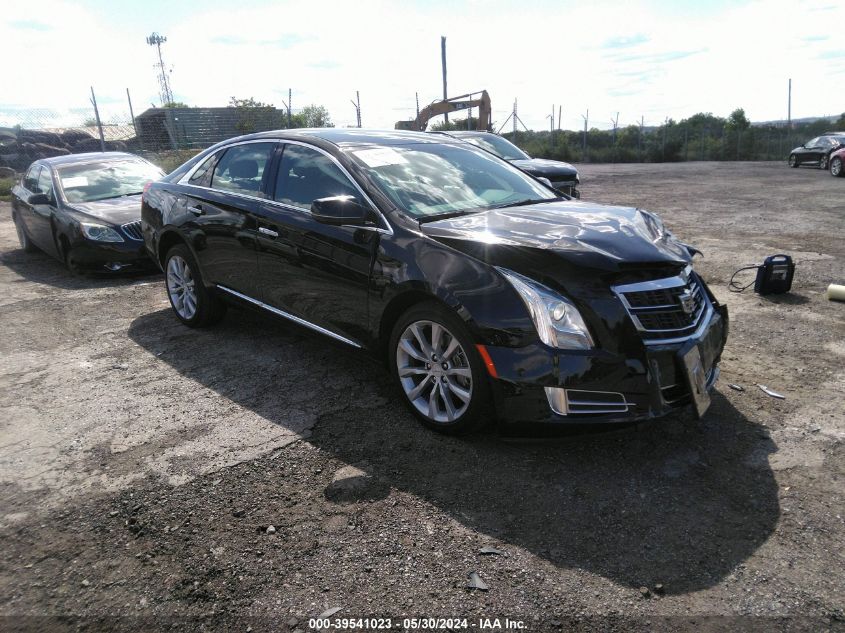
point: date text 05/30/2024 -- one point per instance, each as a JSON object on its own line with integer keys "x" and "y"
{"x": 414, "y": 624}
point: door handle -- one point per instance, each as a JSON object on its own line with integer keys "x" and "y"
{"x": 197, "y": 210}
{"x": 268, "y": 232}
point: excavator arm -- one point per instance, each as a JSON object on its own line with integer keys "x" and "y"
{"x": 452, "y": 104}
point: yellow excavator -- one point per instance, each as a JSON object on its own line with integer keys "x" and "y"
{"x": 453, "y": 104}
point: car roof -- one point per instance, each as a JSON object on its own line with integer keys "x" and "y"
{"x": 87, "y": 157}
{"x": 470, "y": 133}
{"x": 832, "y": 134}
{"x": 344, "y": 137}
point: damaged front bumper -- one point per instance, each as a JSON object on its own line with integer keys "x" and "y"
{"x": 539, "y": 384}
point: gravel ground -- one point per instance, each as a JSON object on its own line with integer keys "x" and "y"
{"x": 142, "y": 464}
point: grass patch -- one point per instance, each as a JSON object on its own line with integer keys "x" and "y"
{"x": 6, "y": 185}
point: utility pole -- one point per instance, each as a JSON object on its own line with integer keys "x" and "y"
{"x": 551, "y": 118}
{"x": 357, "y": 105}
{"x": 165, "y": 93}
{"x": 615, "y": 125}
{"x": 559, "y": 112}
{"x": 97, "y": 117}
{"x": 290, "y": 101}
{"x": 640, "y": 141}
{"x": 789, "y": 107}
{"x": 514, "y": 118}
{"x": 586, "y": 122}
{"x": 443, "y": 63}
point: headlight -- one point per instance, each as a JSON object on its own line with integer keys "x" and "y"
{"x": 557, "y": 320}
{"x": 100, "y": 233}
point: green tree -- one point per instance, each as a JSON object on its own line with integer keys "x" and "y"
{"x": 313, "y": 116}
{"x": 253, "y": 114}
{"x": 738, "y": 121}
{"x": 175, "y": 104}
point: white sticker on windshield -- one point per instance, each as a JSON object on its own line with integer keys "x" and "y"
{"x": 74, "y": 181}
{"x": 381, "y": 156}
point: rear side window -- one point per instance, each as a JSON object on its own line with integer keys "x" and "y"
{"x": 30, "y": 181}
{"x": 306, "y": 175}
{"x": 202, "y": 176}
{"x": 242, "y": 168}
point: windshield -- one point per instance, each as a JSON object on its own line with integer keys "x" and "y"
{"x": 428, "y": 179}
{"x": 106, "y": 179}
{"x": 499, "y": 146}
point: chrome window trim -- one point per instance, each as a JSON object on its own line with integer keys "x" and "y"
{"x": 290, "y": 317}
{"x": 184, "y": 180}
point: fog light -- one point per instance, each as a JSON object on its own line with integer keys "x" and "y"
{"x": 557, "y": 399}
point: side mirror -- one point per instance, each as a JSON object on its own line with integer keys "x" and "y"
{"x": 340, "y": 210}
{"x": 37, "y": 199}
{"x": 545, "y": 181}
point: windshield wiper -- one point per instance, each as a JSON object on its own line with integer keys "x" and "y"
{"x": 524, "y": 202}
{"x": 445, "y": 216}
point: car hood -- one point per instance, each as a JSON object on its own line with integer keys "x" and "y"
{"x": 581, "y": 234}
{"x": 114, "y": 210}
{"x": 551, "y": 169}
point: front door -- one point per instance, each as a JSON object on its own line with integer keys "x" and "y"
{"x": 40, "y": 224}
{"x": 314, "y": 271}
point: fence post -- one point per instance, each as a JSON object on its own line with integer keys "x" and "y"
{"x": 99, "y": 124}
{"x": 131, "y": 113}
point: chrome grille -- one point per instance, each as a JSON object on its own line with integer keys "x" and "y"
{"x": 665, "y": 309}
{"x": 133, "y": 230}
{"x": 579, "y": 402}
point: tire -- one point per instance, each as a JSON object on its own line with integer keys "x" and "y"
{"x": 194, "y": 304}
{"x": 836, "y": 167}
{"x": 823, "y": 161}
{"x": 430, "y": 343}
{"x": 23, "y": 236}
{"x": 793, "y": 160}
{"x": 70, "y": 262}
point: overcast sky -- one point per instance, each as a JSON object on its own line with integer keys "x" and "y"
{"x": 651, "y": 59}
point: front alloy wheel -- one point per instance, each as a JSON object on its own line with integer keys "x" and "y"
{"x": 836, "y": 167}
{"x": 439, "y": 370}
{"x": 823, "y": 161}
{"x": 434, "y": 371}
{"x": 793, "y": 160}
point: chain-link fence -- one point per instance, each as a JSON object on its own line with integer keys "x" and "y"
{"x": 160, "y": 134}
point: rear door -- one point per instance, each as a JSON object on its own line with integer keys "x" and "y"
{"x": 313, "y": 271}
{"x": 222, "y": 200}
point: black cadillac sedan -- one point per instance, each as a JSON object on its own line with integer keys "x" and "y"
{"x": 85, "y": 209}
{"x": 562, "y": 176}
{"x": 487, "y": 295}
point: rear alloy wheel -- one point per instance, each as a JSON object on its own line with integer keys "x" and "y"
{"x": 23, "y": 238}
{"x": 438, "y": 369}
{"x": 836, "y": 167}
{"x": 823, "y": 161}
{"x": 793, "y": 160}
{"x": 193, "y": 303}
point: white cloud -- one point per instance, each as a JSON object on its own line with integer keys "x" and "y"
{"x": 634, "y": 58}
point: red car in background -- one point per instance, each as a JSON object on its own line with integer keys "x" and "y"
{"x": 837, "y": 162}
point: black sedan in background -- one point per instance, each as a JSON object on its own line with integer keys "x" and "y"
{"x": 484, "y": 292}
{"x": 85, "y": 209}
{"x": 817, "y": 150}
{"x": 562, "y": 176}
